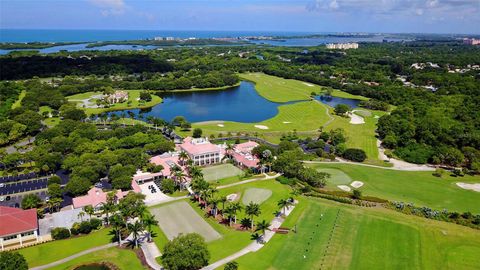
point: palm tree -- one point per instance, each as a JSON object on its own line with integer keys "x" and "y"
{"x": 246, "y": 223}
{"x": 229, "y": 149}
{"x": 195, "y": 172}
{"x": 117, "y": 225}
{"x": 89, "y": 210}
{"x": 148, "y": 221}
{"x": 214, "y": 203}
{"x": 107, "y": 208}
{"x": 284, "y": 204}
{"x": 262, "y": 227}
{"x": 229, "y": 212}
{"x": 256, "y": 237}
{"x": 252, "y": 209}
{"x": 135, "y": 229}
{"x": 179, "y": 178}
{"x": 182, "y": 157}
{"x": 56, "y": 202}
{"x": 222, "y": 200}
{"x": 81, "y": 215}
{"x": 236, "y": 206}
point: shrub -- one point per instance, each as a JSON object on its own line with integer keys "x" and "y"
{"x": 438, "y": 172}
{"x": 197, "y": 133}
{"x": 60, "y": 233}
{"x": 354, "y": 154}
{"x": 95, "y": 223}
{"x": 85, "y": 227}
{"x": 54, "y": 180}
{"x": 287, "y": 181}
{"x": 341, "y": 109}
{"x": 357, "y": 194}
{"x": 10, "y": 260}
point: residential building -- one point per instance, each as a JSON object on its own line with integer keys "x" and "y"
{"x": 17, "y": 226}
{"x": 201, "y": 151}
{"x": 96, "y": 197}
{"x": 342, "y": 46}
{"x": 471, "y": 41}
{"x": 242, "y": 155}
{"x": 117, "y": 97}
{"x": 167, "y": 161}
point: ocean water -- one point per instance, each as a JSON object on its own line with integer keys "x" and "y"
{"x": 37, "y": 35}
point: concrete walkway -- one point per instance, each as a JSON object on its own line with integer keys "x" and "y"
{"x": 69, "y": 258}
{"x": 342, "y": 161}
{"x": 254, "y": 246}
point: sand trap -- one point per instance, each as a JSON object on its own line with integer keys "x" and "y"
{"x": 232, "y": 197}
{"x": 261, "y": 126}
{"x": 220, "y": 125}
{"x": 474, "y": 187}
{"x": 356, "y": 119}
{"x": 344, "y": 188}
{"x": 356, "y": 184}
{"x": 308, "y": 84}
{"x": 286, "y": 122}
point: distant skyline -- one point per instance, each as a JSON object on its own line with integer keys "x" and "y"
{"x": 387, "y": 16}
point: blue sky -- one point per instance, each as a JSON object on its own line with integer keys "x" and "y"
{"x": 435, "y": 16}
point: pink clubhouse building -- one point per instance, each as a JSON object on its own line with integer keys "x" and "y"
{"x": 201, "y": 151}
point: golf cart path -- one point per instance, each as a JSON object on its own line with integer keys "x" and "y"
{"x": 69, "y": 258}
{"x": 255, "y": 245}
{"x": 400, "y": 164}
{"x": 267, "y": 177}
{"x": 416, "y": 168}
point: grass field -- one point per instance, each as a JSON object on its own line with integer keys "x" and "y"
{"x": 122, "y": 258}
{"x": 18, "y": 102}
{"x": 421, "y": 188}
{"x": 56, "y": 250}
{"x": 337, "y": 177}
{"x": 334, "y": 236}
{"x": 256, "y": 195}
{"x": 133, "y": 96}
{"x": 277, "y": 89}
{"x": 179, "y": 217}
{"x": 217, "y": 172}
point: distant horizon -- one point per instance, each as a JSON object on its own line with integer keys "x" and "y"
{"x": 252, "y": 31}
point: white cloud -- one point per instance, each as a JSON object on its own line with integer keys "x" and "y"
{"x": 110, "y": 7}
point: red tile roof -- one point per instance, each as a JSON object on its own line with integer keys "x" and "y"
{"x": 199, "y": 146}
{"x": 15, "y": 220}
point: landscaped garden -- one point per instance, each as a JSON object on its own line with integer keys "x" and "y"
{"x": 88, "y": 101}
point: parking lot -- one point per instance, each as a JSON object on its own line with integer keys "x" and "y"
{"x": 22, "y": 186}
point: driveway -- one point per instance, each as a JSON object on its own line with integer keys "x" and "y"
{"x": 59, "y": 219}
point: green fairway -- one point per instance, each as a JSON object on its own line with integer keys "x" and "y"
{"x": 335, "y": 236}
{"x": 179, "y": 217}
{"x": 217, "y": 172}
{"x": 256, "y": 195}
{"x": 421, "y": 188}
{"x": 56, "y": 250}
{"x": 18, "y": 102}
{"x": 283, "y": 90}
{"x": 122, "y": 258}
{"x": 133, "y": 99}
{"x": 337, "y": 177}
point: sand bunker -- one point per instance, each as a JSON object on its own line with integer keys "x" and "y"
{"x": 344, "y": 188}
{"x": 356, "y": 119}
{"x": 308, "y": 84}
{"x": 474, "y": 187}
{"x": 356, "y": 184}
{"x": 261, "y": 126}
{"x": 286, "y": 122}
{"x": 220, "y": 125}
{"x": 232, "y": 197}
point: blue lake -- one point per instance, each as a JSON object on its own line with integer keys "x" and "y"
{"x": 334, "y": 101}
{"x": 239, "y": 104}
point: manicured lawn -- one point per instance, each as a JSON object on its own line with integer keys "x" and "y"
{"x": 217, "y": 172}
{"x": 360, "y": 136}
{"x": 122, "y": 258}
{"x": 365, "y": 238}
{"x": 256, "y": 195}
{"x": 179, "y": 217}
{"x": 283, "y": 90}
{"x": 421, "y": 188}
{"x": 301, "y": 116}
{"x": 133, "y": 96}
{"x": 18, "y": 102}
{"x": 56, "y": 250}
{"x": 337, "y": 177}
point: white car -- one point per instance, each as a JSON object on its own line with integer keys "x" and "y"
{"x": 2, "y": 199}
{"x": 2, "y": 185}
